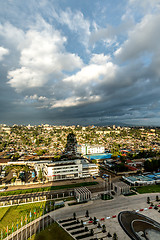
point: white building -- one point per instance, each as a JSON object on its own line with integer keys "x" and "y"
{"x": 40, "y": 165}
{"x": 90, "y": 169}
{"x": 90, "y": 149}
{"x": 63, "y": 170}
{"x": 70, "y": 169}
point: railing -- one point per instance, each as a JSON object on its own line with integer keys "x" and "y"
{"x": 31, "y": 228}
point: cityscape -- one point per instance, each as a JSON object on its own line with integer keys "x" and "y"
{"x": 49, "y": 169}
{"x": 79, "y": 120}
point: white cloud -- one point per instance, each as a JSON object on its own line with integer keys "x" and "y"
{"x": 43, "y": 56}
{"x": 3, "y": 52}
{"x": 93, "y": 74}
{"x": 75, "y": 101}
{"x": 12, "y": 35}
{"x": 100, "y": 58}
{"x": 143, "y": 38}
{"x": 110, "y": 33}
{"x": 75, "y": 22}
{"x": 35, "y": 97}
{"x": 42, "y": 98}
{"x": 23, "y": 78}
{"x": 145, "y": 4}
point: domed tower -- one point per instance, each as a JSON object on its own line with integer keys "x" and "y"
{"x": 71, "y": 146}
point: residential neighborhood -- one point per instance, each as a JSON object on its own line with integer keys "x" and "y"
{"x": 51, "y": 153}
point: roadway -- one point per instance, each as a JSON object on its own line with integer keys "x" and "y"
{"x": 61, "y": 193}
{"x": 102, "y": 208}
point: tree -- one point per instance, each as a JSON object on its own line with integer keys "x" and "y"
{"x": 91, "y": 232}
{"x": 95, "y": 220}
{"x": 103, "y": 228}
{"x": 148, "y": 200}
{"x": 86, "y": 229}
{"x": 40, "y": 175}
{"x": 109, "y": 235}
{"x": 74, "y": 215}
{"x": 99, "y": 225}
{"x": 87, "y": 213}
{"x": 115, "y": 236}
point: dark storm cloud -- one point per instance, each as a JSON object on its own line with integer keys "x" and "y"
{"x": 42, "y": 81}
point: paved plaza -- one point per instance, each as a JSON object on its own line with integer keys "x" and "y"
{"x": 109, "y": 210}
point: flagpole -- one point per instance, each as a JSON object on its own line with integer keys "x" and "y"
{"x": 26, "y": 226}
{"x": 12, "y": 230}
{"x": 21, "y": 228}
{"x": 17, "y": 229}
{"x": 7, "y": 232}
{"x": 30, "y": 223}
{"x": 35, "y": 221}
{"x": 43, "y": 217}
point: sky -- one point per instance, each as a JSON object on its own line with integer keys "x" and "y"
{"x": 86, "y": 62}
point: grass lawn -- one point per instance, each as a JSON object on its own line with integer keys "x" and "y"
{"x": 53, "y": 232}
{"x": 149, "y": 189}
{"x": 3, "y": 211}
{"x": 31, "y": 190}
{"x": 15, "y": 214}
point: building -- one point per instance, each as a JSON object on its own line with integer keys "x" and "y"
{"x": 61, "y": 170}
{"x": 121, "y": 188}
{"x": 140, "y": 180}
{"x": 90, "y": 149}
{"x": 70, "y": 169}
{"x": 82, "y": 194}
{"x": 40, "y": 166}
{"x": 90, "y": 169}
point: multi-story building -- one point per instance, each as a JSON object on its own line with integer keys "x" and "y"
{"x": 70, "y": 169}
{"x": 63, "y": 170}
{"x": 90, "y": 149}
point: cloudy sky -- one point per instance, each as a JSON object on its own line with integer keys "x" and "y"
{"x": 80, "y": 62}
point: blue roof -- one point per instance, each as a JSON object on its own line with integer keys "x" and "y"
{"x": 157, "y": 173}
{"x": 99, "y": 156}
{"x": 150, "y": 176}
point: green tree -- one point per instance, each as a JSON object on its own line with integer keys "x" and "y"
{"x": 148, "y": 199}
{"x": 115, "y": 236}
{"x": 40, "y": 175}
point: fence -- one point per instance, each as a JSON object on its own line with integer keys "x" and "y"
{"x": 31, "y": 215}
{"x": 31, "y": 228}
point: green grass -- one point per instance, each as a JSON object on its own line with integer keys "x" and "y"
{"x": 3, "y": 211}
{"x": 53, "y": 232}
{"x": 148, "y": 189}
{"x": 14, "y": 214}
{"x": 32, "y": 190}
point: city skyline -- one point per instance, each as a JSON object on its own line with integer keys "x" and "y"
{"x": 87, "y": 62}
